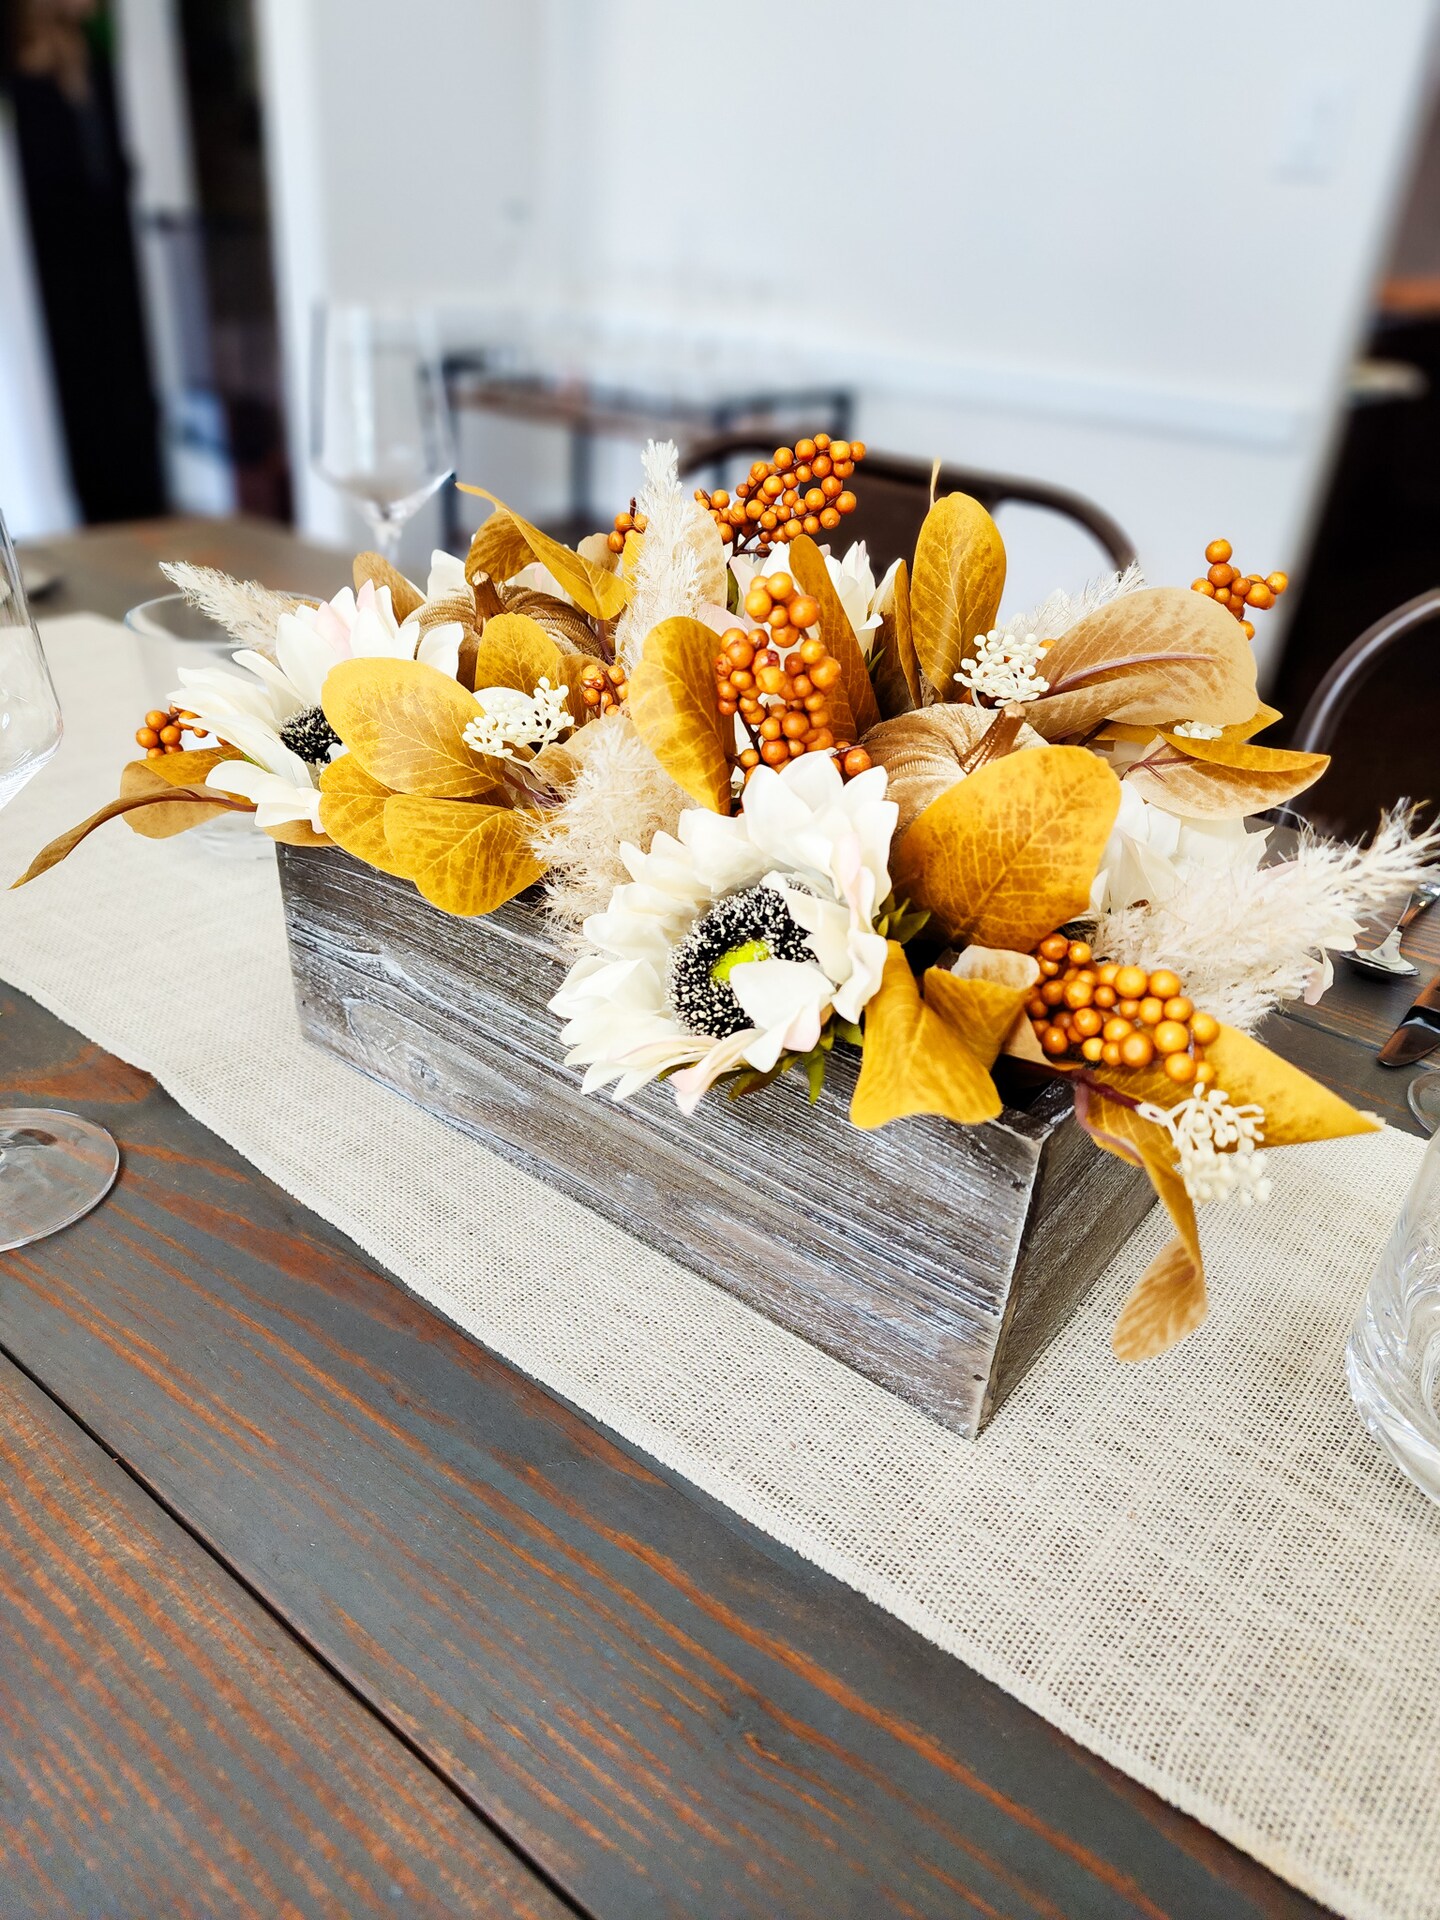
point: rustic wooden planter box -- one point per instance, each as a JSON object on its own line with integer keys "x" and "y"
{"x": 932, "y": 1258}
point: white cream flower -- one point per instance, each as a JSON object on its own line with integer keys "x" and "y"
{"x": 362, "y": 626}
{"x": 1150, "y": 851}
{"x": 736, "y": 938}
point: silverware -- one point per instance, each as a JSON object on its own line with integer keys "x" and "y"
{"x": 1385, "y": 958}
{"x": 1418, "y": 1034}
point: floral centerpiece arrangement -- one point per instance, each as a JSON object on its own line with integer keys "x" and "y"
{"x": 779, "y": 806}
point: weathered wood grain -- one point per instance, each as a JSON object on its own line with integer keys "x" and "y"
{"x": 666, "y": 1710}
{"x": 166, "y": 1748}
{"x": 909, "y": 1260}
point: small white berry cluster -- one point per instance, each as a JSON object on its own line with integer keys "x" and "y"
{"x": 508, "y": 719}
{"x": 1003, "y": 668}
{"x": 1217, "y": 1146}
{"x": 1197, "y": 730}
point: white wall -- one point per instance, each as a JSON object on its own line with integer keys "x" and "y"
{"x": 35, "y": 490}
{"x": 1125, "y": 247}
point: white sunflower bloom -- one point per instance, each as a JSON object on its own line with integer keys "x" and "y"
{"x": 736, "y": 938}
{"x": 271, "y": 713}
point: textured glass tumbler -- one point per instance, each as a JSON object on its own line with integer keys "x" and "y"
{"x": 1393, "y": 1359}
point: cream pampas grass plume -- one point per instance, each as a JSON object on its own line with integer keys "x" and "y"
{"x": 620, "y": 794}
{"x": 244, "y": 608}
{"x": 681, "y": 569}
{"x": 1060, "y": 611}
{"x": 1246, "y": 941}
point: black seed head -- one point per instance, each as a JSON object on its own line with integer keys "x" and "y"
{"x": 310, "y": 735}
{"x": 707, "y": 1004}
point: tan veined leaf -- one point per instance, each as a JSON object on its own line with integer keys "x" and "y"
{"x": 897, "y": 671}
{"x": 1009, "y": 854}
{"x": 1148, "y": 658}
{"x": 920, "y": 1051}
{"x": 466, "y": 858}
{"x": 151, "y": 779}
{"x": 1225, "y": 778}
{"x": 1169, "y": 1300}
{"x": 352, "y": 812}
{"x": 807, "y": 564}
{"x": 506, "y": 543}
{"x": 955, "y": 588}
{"x": 405, "y": 723}
{"x": 405, "y": 597}
{"x": 189, "y": 806}
{"x": 672, "y": 703}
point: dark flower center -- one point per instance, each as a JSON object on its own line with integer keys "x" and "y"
{"x": 310, "y": 735}
{"x": 754, "y": 925}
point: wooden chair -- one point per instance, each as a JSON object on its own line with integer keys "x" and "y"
{"x": 894, "y": 494}
{"x": 1316, "y": 728}
{"x": 1377, "y": 711}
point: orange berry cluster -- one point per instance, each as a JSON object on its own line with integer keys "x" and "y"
{"x": 1117, "y": 1016}
{"x": 631, "y": 522}
{"x": 786, "y": 712}
{"x": 603, "y": 686}
{"x": 1237, "y": 591}
{"x": 801, "y": 490}
{"x": 162, "y": 730}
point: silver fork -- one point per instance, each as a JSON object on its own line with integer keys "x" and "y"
{"x": 1385, "y": 958}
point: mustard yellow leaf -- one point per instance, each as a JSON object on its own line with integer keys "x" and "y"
{"x": 897, "y": 672}
{"x": 807, "y": 564}
{"x": 1009, "y": 853}
{"x": 501, "y": 550}
{"x": 1148, "y": 658}
{"x": 914, "y": 1060}
{"x": 297, "y": 833}
{"x": 1225, "y": 778}
{"x": 1296, "y": 1107}
{"x": 465, "y": 858}
{"x": 980, "y": 1011}
{"x": 516, "y": 651}
{"x": 352, "y": 812}
{"x": 405, "y": 597}
{"x": 672, "y": 703}
{"x": 1169, "y": 1300}
{"x": 405, "y": 723}
{"x": 955, "y": 587}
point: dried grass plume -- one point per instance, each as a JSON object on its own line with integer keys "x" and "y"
{"x": 1246, "y": 942}
{"x": 620, "y": 793}
{"x": 246, "y": 610}
{"x": 681, "y": 569}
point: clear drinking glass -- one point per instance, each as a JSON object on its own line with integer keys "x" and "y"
{"x": 1393, "y": 1359}
{"x": 380, "y": 422}
{"x": 54, "y": 1166}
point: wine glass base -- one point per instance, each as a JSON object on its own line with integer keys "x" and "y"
{"x": 54, "y": 1167}
{"x": 1423, "y": 1095}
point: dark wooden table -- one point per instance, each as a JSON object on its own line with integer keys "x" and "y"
{"x": 310, "y": 1605}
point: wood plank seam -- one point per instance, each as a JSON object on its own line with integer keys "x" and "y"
{"x": 306, "y": 1646}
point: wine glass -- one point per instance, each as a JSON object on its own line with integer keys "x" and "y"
{"x": 380, "y": 424}
{"x": 54, "y": 1166}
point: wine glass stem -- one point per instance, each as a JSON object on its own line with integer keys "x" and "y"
{"x": 386, "y": 532}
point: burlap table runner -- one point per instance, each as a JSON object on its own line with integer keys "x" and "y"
{"x": 1203, "y": 1569}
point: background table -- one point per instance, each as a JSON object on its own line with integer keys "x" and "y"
{"x": 254, "y": 1492}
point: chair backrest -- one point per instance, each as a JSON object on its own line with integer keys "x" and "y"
{"x": 1316, "y": 729}
{"x": 894, "y": 494}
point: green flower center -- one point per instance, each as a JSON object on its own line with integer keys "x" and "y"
{"x": 727, "y": 963}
